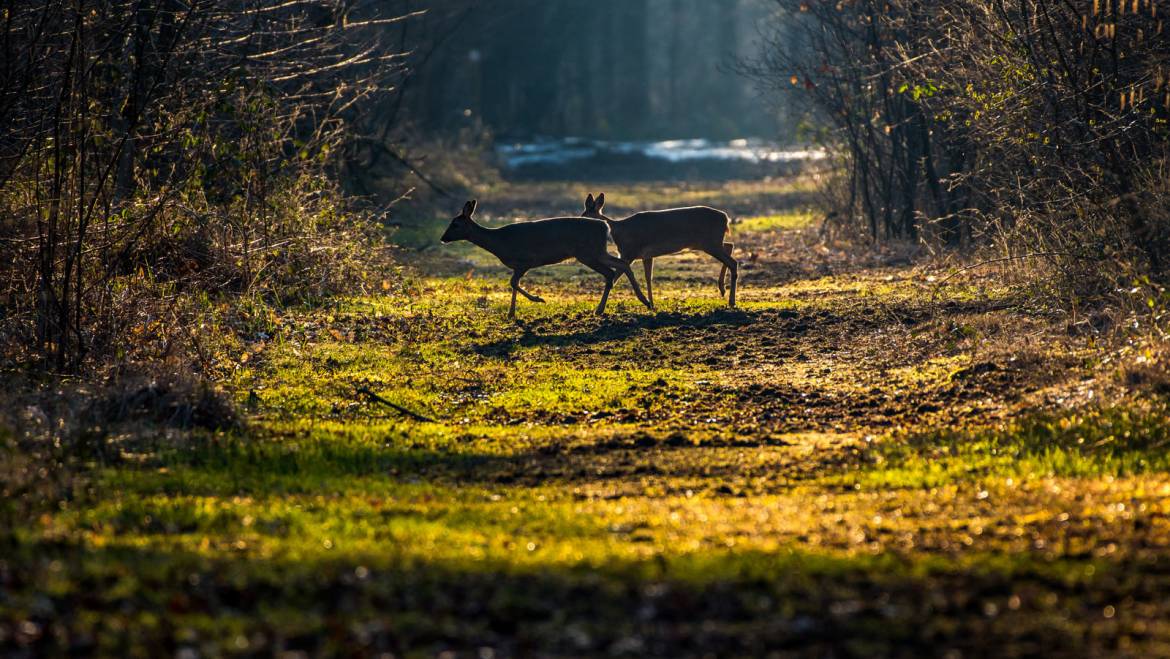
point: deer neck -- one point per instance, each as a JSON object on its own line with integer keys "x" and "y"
{"x": 483, "y": 237}
{"x": 609, "y": 221}
{"x": 614, "y": 225}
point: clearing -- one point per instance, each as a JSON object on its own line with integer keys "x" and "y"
{"x": 857, "y": 461}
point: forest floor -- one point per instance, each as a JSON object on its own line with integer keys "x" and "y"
{"x": 858, "y": 461}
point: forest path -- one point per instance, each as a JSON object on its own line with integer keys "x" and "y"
{"x": 855, "y": 462}
{"x": 824, "y": 339}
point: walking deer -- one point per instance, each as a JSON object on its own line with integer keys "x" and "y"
{"x": 527, "y": 245}
{"x": 649, "y": 234}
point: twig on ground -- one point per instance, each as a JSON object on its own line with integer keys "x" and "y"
{"x": 373, "y": 397}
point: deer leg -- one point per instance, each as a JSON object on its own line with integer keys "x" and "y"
{"x": 605, "y": 294}
{"x": 648, "y": 269}
{"x": 516, "y": 289}
{"x": 727, "y": 247}
{"x": 610, "y": 276}
{"x": 624, "y": 268}
{"x": 729, "y": 263}
{"x": 516, "y": 275}
{"x": 530, "y": 296}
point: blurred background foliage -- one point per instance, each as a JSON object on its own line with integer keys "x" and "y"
{"x": 611, "y": 69}
{"x": 157, "y": 158}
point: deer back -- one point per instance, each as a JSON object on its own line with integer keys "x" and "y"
{"x": 549, "y": 241}
{"x": 654, "y": 233}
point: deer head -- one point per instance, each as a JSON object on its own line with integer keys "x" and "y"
{"x": 461, "y": 225}
{"x": 593, "y": 207}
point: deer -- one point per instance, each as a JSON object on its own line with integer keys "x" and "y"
{"x": 523, "y": 246}
{"x": 649, "y": 234}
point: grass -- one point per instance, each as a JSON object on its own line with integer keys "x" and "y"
{"x": 778, "y": 222}
{"x": 842, "y": 466}
{"x": 1096, "y": 443}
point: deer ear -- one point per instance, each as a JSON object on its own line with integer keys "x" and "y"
{"x": 589, "y": 203}
{"x": 601, "y": 201}
{"x": 469, "y": 207}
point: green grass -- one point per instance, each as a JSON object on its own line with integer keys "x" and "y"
{"x": 1093, "y": 443}
{"x": 842, "y": 466}
{"x": 780, "y": 222}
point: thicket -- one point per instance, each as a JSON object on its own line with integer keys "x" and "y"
{"x": 157, "y": 158}
{"x": 1037, "y": 128}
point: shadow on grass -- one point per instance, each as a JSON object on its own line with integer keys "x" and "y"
{"x": 1085, "y": 443}
{"x": 124, "y": 598}
{"x": 261, "y": 469}
{"x": 787, "y": 323}
{"x": 613, "y": 329}
{"x": 129, "y": 601}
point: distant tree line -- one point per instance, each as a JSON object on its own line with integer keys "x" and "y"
{"x": 620, "y": 69}
{"x": 1037, "y": 125}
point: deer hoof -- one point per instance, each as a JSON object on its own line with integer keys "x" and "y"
{"x": 538, "y": 299}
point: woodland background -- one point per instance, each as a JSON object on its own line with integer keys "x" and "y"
{"x": 938, "y": 421}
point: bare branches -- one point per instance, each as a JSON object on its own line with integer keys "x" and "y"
{"x": 115, "y": 113}
{"x": 1011, "y": 120}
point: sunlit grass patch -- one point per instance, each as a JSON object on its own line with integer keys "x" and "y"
{"x": 480, "y": 298}
{"x": 781, "y": 222}
{"x": 434, "y": 380}
{"x": 319, "y": 379}
{"x": 553, "y": 388}
{"x": 394, "y": 522}
{"x": 1092, "y": 443}
{"x": 930, "y": 372}
{"x": 857, "y": 288}
{"x": 638, "y": 197}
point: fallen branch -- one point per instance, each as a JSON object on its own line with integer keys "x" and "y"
{"x": 373, "y": 397}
